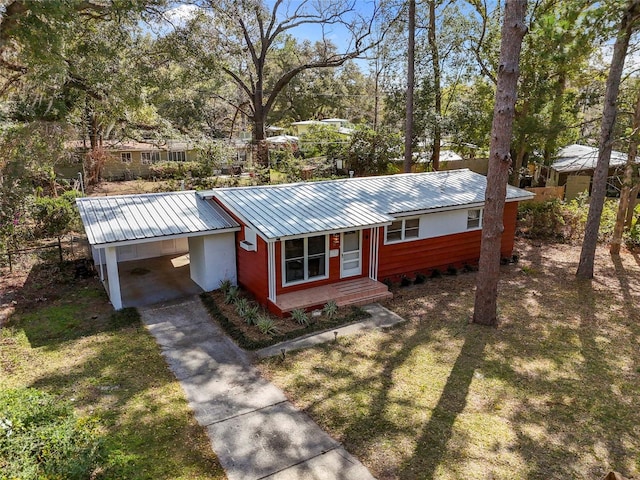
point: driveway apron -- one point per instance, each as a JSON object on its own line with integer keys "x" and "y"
{"x": 255, "y": 432}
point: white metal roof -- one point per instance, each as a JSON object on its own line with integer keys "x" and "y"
{"x": 124, "y": 218}
{"x": 278, "y": 211}
{"x": 575, "y": 158}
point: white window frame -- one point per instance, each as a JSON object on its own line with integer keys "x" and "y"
{"x": 126, "y": 157}
{"x": 306, "y": 279}
{"x": 151, "y": 157}
{"x": 474, "y": 219}
{"x": 403, "y": 231}
{"x": 182, "y": 153}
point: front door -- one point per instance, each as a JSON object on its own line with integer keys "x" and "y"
{"x": 351, "y": 254}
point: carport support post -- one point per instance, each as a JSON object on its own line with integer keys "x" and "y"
{"x": 113, "y": 277}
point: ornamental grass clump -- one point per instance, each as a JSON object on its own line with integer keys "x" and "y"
{"x": 266, "y": 325}
{"x": 330, "y": 309}
{"x": 300, "y": 316}
{"x": 251, "y": 314}
{"x": 241, "y": 304}
{"x": 231, "y": 294}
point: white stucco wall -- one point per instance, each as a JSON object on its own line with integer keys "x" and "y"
{"x": 213, "y": 259}
{"x": 443, "y": 223}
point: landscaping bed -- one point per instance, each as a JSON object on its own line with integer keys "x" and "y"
{"x": 261, "y": 329}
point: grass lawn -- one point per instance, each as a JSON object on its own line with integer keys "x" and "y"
{"x": 60, "y": 336}
{"x": 552, "y": 393}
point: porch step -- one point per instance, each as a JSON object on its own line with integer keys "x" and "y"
{"x": 378, "y": 297}
{"x": 359, "y": 291}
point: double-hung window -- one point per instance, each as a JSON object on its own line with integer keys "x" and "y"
{"x": 405, "y": 229}
{"x": 148, "y": 158}
{"x": 474, "y": 218}
{"x": 125, "y": 157}
{"x": 305, "y": 259}
{"x": 178, "y": 156}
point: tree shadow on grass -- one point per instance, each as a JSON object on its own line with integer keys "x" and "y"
{"x": 439, "y": 429}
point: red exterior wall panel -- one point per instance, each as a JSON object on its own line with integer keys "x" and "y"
{"x": 409, "y": 258}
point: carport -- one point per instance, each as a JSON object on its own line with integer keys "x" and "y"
{"x": 152, "y": 238}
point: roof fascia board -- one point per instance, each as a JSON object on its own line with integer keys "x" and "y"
{"x": 164, "y": 237}
{"x": 453, "y": 207}
{"x": 331, "y": 232}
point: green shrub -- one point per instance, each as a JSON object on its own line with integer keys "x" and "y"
{"x": 178, "y": 170}
{"x": 564, "y": 221}
{"x": 225, "y": 285}
{"x": 420, "y": 278}
{"x": 300, "y": 316}
{"x": 40, "y": 437}
{"x": 330, "y": 309}
{"x": 231, "y": 295}
{"x": 241, "y": 304}
{"x": 266, "y": 325}
{"x": 632, "y": 237}
{"x": 251, "y": 314}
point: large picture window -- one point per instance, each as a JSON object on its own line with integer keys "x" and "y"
{"x": 305, "y": 259}
{"x": 405, "y": 229}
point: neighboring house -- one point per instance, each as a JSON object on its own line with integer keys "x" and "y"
{"x": 300, "y": 245}
{"x": 573, "y": 168}
{"x": 339, "y": 124}
{"x": 300, "y": 128}
{"x": 129, "y": 159}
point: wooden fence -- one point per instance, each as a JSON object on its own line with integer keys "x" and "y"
{"x": 544, "y": 194}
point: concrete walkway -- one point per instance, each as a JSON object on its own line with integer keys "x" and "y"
{"x": 255, "y": 432}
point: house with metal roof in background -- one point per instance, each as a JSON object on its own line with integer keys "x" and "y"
{"x": 573, "y": 168}
{"x": 300, "y": 245}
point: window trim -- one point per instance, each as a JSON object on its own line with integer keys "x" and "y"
{"x": 305, "y": 256}
{"x": 480, "y": 218}
{"x": 403, "y": 231}
{"x": 126, "y": 154}
{"x": 151, "y": 154}
{"x": 174, "y": 152}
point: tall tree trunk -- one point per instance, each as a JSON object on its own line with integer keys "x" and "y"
{"x": 633, "y": 197}
{"x": 259, "y": 114}
{"x": 435, "y": 59}
{"x": 513, "y": 30}
{"x": 408, "y": 131}
{"x": 598, "y": 191}
{"x": 627, "y": 183}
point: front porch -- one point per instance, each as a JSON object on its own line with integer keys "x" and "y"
{"x": 360, "y": 291}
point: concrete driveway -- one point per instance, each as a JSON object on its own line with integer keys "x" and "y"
{"x": 255, "y": 432}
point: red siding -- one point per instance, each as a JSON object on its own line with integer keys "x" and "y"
{"x": 253, "y": 271}
{"x": 409, "y": 258}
